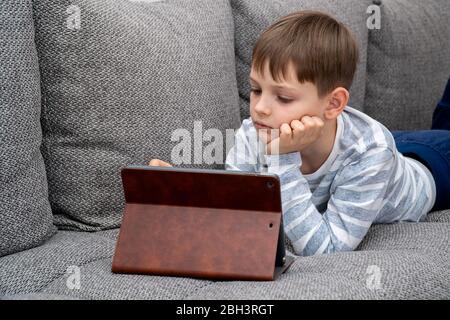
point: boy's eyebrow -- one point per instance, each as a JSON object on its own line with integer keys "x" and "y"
{"x": 276, "y": 86}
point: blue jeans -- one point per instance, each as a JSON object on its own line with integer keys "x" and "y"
{"x": 432, "y": 148}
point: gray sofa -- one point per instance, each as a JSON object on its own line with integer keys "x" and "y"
{"x": 90, "y": 86}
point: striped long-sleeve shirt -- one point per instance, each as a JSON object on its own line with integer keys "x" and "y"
{"x": 364, "y": 180}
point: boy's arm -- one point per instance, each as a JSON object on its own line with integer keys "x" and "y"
{"x": 357, "y": 196}
{"x": 243, "y": 154}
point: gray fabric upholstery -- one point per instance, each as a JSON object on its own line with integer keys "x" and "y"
{"x": 32, "y": 270}
{"x": 439, "y": 216}
{"x": 252, "y": 17}
{"x": 406, "y": 272}
{"x": 115, "y": 89}
{"x": 37, "y": 296}
{"x": 25, "y": 214}
{"x": 413, "y": 260}
{"x": 44, "y": 270}
{"x": 112, "y": 95}
{"x": 97, "y": 282}
{"x": 408, "y": 63}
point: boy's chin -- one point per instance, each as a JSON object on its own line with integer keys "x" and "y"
{"x": 267, "y": 135}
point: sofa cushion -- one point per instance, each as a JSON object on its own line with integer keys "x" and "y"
{"x": 37, "y": 296}
{"x": 408, "y": 63}
{"x": 404, "y": 275}
{"x": 25, "y": 214}
{"x": 33, "y": 270}
{"x": 41, "y": 272}
{"x": 396, "y": 261}
{"x": 252, "y": 17}
{"x": 118, "y": 78}
{"x": 98, "y": 282}
{"x": 439, "y": 216}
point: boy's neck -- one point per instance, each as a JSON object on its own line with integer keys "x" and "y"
{"x": 318, "y": 152}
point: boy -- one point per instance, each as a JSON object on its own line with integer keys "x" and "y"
{"x": 340, "y": 170}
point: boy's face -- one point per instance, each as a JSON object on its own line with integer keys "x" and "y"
{"x": 274, "y": 103}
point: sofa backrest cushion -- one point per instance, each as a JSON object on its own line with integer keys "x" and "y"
{"x": 118, "y": 78}
{"x": 252, "y": 17}
{"x": 25, "y": 215}
{"x": 408, "y": 63}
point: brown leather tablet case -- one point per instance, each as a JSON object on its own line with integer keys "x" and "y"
{"x": 212, "y": 224}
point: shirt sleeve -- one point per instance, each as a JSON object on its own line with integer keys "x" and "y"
{"x": 357, "y": 195}
{"x": 242, "y": 156}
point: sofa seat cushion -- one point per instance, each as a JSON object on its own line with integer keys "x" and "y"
{"x": 396, "y": 261}
{"x": 33, "y": 270}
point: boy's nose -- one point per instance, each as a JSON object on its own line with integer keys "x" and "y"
{"x": 263, "y": 106}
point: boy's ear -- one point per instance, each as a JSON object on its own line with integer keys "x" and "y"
{"x": 337, "y": 100}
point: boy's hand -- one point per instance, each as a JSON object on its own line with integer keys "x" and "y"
{"x": 295, "y": 136}
{"x": 159, "y": 163}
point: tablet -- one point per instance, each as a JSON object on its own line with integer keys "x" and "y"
{"x": 203, "y": 223}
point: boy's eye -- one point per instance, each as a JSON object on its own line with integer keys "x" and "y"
{"x": 284, "y": 100}
{"x": 255, "y": 91}
{"x": 280, "y": 98}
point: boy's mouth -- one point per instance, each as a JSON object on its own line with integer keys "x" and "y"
{"x": 259, "y": 125}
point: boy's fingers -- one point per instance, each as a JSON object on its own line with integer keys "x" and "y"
{"x": 297, "y": 125}
{"x": 159, "y": 163}
{"x": 308, "y": 122}
{"x": 285, "y": 129}
{"x": 319, "y": 122}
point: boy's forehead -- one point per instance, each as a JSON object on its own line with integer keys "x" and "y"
{"x": 266, "y": 78}
{"x": 289, "y": 83}
{"x": 289, "y": 75}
